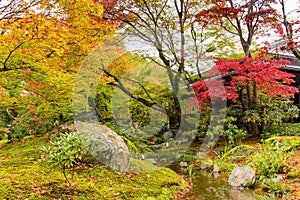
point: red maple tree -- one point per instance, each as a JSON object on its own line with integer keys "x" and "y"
{"x": 265, "y": 72}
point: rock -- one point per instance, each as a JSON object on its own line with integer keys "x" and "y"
{"x": 241, "y": 177}
{"x": 200, "y": 154}
{"x": 205, "y": 164}
{"x": 216, "y": 168}
{"x": 105, "y": 145}
{"x": 216, "y": 174}
{"x": 183, "y": 164}
{"x": 168, "y": 135}
{"x": 152, "y": 161}
{"x": 279, "y": 178}
{"x": 67, "y": 127}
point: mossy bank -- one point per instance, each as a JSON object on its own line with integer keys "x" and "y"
{"x": 25, "y": 175}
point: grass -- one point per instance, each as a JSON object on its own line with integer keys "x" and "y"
{"x": 25, "y": 175}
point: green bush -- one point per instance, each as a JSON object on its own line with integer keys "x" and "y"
{"x": 276, "y": 188}
{"x": 281, "y": 130}
{"x": 285, "y": 143}
{"x": 269, "y": 162}
{"x": 186, "y": 157}
{"x": 65, "y": 152}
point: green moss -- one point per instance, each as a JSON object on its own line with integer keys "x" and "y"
{"x": 24, "y": 173}
{"x": 141, "y": 165}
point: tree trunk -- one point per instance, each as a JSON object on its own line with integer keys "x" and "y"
{"x": 174, "y": 117}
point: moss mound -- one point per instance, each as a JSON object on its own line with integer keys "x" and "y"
{"x": 24, "y": 175}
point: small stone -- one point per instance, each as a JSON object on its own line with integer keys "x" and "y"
{"x": 241, "y": 177}
{"x": 216, "y": 168}
{"x": 183, "y": 164}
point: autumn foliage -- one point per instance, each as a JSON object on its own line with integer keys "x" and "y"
{"x": 239, "y": 77}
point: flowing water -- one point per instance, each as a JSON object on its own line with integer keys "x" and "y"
{"x": 206, "y": 186}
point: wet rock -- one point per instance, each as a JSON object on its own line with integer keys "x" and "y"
{"x": 183, "y": 164}
{"x": 216, "y": 168}
{"x": 241, "y": 177}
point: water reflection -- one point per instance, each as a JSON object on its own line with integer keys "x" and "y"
{"x": 206, "y": 186}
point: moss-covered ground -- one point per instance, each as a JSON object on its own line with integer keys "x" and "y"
{"x": 24, "y": 174}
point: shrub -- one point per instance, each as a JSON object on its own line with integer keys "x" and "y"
{"x": 186, "y": 157}
{"x": 282, "y": 130}
{"x": 268, "y": 163}
{"x": 276, "y": 188}
{"x": 65, "y": 152}
{"x": 285, "y": 143}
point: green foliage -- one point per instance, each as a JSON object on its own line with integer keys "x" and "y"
{"x": 30, "y": 124}
{"x": 271, "y": 112}
{"x": 267, "y": 114}
{"x": 269, "y": 162}
{"x": 293, "y": 174}
{"x": 284, "y": 129}
{"x": 240, "y": 151}
{"x": 4, "y": 118}
{"x": 65, "y": 152}
{"x": 268, "y": 197}
{"x": 131, "y": 146}
{"x": 276, "y": 188}
{"x": 232, "y": 132}
{"x": 285, "y": 143}
{"x": 203, "y": 123}
{"x": 186, "y": 157}
{"x": 190, "y": 171}
{"x": 225, "y": 165}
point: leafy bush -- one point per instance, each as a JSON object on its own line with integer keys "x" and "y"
{"x": 276, "y": 188}
{"x": 65, "y": 152}
{"x": 268, "y": 163}
{"x": 232, "y": 132}
{"x": 282, "y": 130}
{"x": 186, "y": 157}
{"x": 285, "y": 143}
{"x": 29, "y": 124}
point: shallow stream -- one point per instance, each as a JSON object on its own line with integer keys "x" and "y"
{"x": 208, "y": 187}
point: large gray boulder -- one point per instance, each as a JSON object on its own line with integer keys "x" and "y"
{"x": 241, "y": 177}
{"x": 105, "y": 145}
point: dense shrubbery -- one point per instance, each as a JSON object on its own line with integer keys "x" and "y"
{"x": 285, "y": 129}
{"x": 268, "y": 163}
